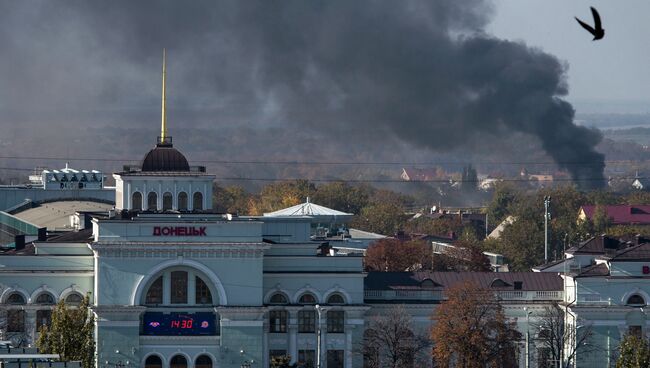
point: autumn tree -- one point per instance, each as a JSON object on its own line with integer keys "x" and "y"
{"x": 277, "y": 196}
{"x": 282, "y": 362}
{"x": 393, "y": 255}
{"x": 343, "y": 197}
{"x": 634, "y": 352}
{"x": 231, "y": 199}
{"x": 390, "y": 340}
{"x": 70, "y": 333}
{"x": 560, "y": 343}
{"x": 471, "y": 330}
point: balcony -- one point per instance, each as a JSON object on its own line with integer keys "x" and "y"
{"x": 438, "y": 295}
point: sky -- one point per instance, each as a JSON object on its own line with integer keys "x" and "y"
{"x": 609, "y": 75}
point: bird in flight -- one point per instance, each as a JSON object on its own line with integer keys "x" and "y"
{"x": 597, "y": 30}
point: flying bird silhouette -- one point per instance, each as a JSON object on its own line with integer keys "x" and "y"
{"x": 597, "y": 29}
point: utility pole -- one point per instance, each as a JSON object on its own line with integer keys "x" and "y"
{"x": 547, "y": 216}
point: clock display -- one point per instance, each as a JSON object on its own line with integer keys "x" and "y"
{"x": 172, "y": 324}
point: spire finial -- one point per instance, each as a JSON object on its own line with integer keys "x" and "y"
{"x": 163, "y": 128}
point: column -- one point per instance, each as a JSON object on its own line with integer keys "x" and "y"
{"x": 293, "y": 343}
{"x": 323, "y": 344}
{"x": 348, "y": 346}
{"x": 265, "y": 346}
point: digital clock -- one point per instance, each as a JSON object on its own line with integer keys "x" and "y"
{"x": 173, "y": 324}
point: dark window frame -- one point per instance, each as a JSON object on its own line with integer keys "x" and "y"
{"x": 335, "y": 321}
{"x": 307, "y": 321}
{"x": 278, "y": 321}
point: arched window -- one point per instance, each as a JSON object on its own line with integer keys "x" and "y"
{"x": 307, "y": 298}
{"x": 335, "y": 299}
{"x": 278, "y": 298}
{"x": 636, "y": 300}
{"x": 202, "y": 292}
{"x": 155, "y": 292}
{"x": 152, "y": 201}
{"x": 136, "y": 201}
{"x": 197, "y": 201}
{"x": 182, "y": 201}
{"x": 179, "y": 287}
{"x": 178, "y": 361}
{"x": 203, "y": 361}
{"x": 153, "y": 361}
{"x": 73, "y": 299}
{"x": 45, "y": 299}
{"x": 15, "y": 299}
{"x": 167, "y": 201}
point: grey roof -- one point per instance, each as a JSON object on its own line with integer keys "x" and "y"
{"x": 56, "y": 215}
{"x": 408, "y": 280}
{"x": 310, "y": 209}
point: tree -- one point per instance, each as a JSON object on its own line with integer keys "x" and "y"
{"x": 382, "y": 218}
{"x": 343, "y": 197}
{"x": 281, "y": 195}
{"x": 634, "y": 353}
{"x": 231, "y": 199}
{"x": 392, "y": 255}
{"x": 558, "y": 341}
{"x": 499, "y": 208}
{"x": 391, "y": 341}
{"x": 600, "y": 220}
{"x": 282, "y": 362}
{"x": 70, "y": 334}
{"x": 471, "y": 330}
{"x": 469, "y": 179}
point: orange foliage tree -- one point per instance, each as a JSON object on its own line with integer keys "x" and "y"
{"x": 392, "y": 255}
{"x": 471, "y": 330}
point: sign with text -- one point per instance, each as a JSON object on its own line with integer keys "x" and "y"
{"x": 158, "y": 323}
{"x": 179, "y": 231}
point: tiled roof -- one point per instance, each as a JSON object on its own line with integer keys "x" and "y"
{"x": 408, "y": 280}
{"x": 598, "y": 245}
{"x": 639, "y": 252}
{"x": 600, "y": 269}
{"x": 622, "y": 214}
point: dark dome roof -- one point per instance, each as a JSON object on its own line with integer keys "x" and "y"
{"x": 164, "y": 157}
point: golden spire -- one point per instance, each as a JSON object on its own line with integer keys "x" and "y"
{"x": 163, "y": 128}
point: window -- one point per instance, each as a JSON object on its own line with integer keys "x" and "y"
{"x": 152, "y": 201}
{"x": 153, "y": 361}
{"x": 136, "y": 201}
{"x": 335, "y": 359}
{"x": 306, "y": 321}
{"x": 179, "y": 287}
{"x": 335, "y": 321}
{"x": 155, "y": 292}
{"x": 178, "y": 361}
{"x": 306, "y": 358}
{"x": 203, "y": 295}
{"x": 278, "y": 321}
{"x": 15, "y": 299}
{"x": 278, "y": 298}
{"x": 636, "y": 300}
{"x": 43, "y": 318}
{"x": 15, "y": 320}
{"x": 307, "y": 299}
{"x": 73, "y": 299}
{"x": 335, "y": 299}
{"x": 167, "y": 201}
{"x": 45, "y": 299}
{"x": 519, "y": 285}
{"x": 203, "y": 361}
{"x": 182, "y": 201}
{"x": 197, "y": 201}
{"x": 635, "y": 331}
{"x": 277, "y": 354}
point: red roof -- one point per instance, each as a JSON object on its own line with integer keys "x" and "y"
{"x": 623, "y": 214}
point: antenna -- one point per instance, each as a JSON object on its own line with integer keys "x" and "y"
{"x": 163, "y": 128}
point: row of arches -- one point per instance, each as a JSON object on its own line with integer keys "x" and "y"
{"x": 15, "y": 302}
{"x": 178, "y": 361}
{"x": 167, "y": 201}
{"x": 41, "y": 297}
{"x": 306, "y": 297}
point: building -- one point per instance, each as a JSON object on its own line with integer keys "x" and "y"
{"x": 622, "y": 214}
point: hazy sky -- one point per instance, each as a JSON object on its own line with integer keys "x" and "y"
{"x": 609, "y": 74}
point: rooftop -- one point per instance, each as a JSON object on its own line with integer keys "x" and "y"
{"x": 56, "y": 215}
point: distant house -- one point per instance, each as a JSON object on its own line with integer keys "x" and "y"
{"x": 409, "y": 174}
{"x": 638, "y": 183}
{"x": 619, "y": 214}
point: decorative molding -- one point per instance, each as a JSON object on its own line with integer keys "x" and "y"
{"x": 132, "y": 250}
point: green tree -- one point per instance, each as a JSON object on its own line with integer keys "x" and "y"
{"x": 600, "y": 220}
{"x": 343, "y": 197}
{"x": 634, "y": 353}
{"x": 469, "y": 179}
{"x": 231, "y": 199}
{"x": 70, "y": 333}
{"x": 504, "y": 196}
{"x": 277, "y": 196}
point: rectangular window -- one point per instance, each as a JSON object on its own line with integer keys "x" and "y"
{"x": 43, "y": 318}
{"x": 179, "y": 287}
{"x": 278, "y": 321}
{"x": 15, "y": 320}
{"x": 335, "y": 321}
{"x": 307, "y": 321}
{"x": 635, "y": 331}
{"x": 307, "y": 358}
{"x": 335, "y": 359}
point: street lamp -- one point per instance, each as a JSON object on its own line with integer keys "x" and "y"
{"x": 528, "y": 313}
{"x": 320, "y": 311}
{"x": 547, "y": 216}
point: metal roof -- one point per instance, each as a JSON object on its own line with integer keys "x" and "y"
{"x": 310, "y": 209}
{"x": 56, "y": 215}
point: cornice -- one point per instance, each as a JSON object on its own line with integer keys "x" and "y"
{"x": 171, "y": 250}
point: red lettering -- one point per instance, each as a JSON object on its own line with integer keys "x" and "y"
{"x": 180, "y": 231}
{"x": 189, "y": 323}
{"x": 175, "y": 324}
{"x": 165, "y": 231}
{"x": 202, "y": 231}
{"x": 156, "y": 231}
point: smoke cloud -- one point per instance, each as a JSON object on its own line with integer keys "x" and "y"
{"x": 424, "y": 72}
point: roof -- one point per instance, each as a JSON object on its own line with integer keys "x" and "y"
{"x": 407, "y": 280}
{"x": 360, "y": 234}
{"x": 73, "y": 236}
{"x": 639, "y": 253}
{"x": 600, "y": 269}
{"x": 309, "y": 209}
{"x": 419, "y": 174}
{"x": 164, "y": 157}
{"x": 598, "y": 245}
{"x": 56, "y": 215}
{"x": 622, "y": 214}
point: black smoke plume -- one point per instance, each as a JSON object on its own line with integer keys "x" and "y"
{"x": 422, "y": 71}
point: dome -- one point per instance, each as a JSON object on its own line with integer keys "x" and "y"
{"x": 164, "y": 157}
